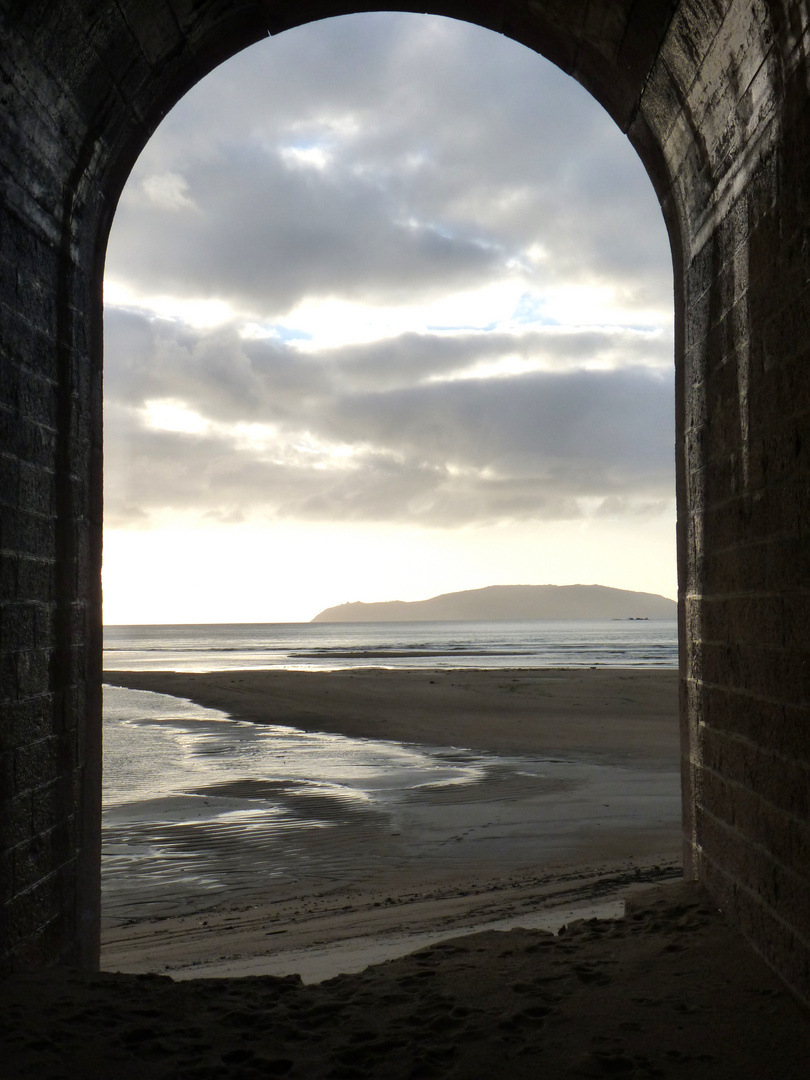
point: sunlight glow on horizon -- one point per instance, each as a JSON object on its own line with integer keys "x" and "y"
{"x": 288, "y": 573}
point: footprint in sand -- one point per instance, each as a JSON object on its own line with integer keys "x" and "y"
{"x": 531, "y": 1018}
{"x": 605, "y": 1064}
{"x": 588, "y": 974}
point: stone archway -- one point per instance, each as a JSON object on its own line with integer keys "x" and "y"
{"x": 714, "y": 97}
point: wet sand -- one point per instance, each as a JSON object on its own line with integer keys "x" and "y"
{"x": 578, "y": 799}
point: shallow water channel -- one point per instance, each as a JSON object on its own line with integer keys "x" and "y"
{"x": 198, "y": 806}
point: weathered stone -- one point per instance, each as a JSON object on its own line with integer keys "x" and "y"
{"x": 714, "y": 96}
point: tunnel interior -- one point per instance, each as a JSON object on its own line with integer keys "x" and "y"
{"x": 713, "y": 97}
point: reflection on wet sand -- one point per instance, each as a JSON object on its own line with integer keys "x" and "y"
{"x": 318, "y": 837}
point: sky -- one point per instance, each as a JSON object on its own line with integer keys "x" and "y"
{"x": 388, "y": 313}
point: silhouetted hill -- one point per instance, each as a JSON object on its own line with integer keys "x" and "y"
{"x": 512, "y": 602}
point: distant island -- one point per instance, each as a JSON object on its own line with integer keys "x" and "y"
{"x": 498, "y": 602}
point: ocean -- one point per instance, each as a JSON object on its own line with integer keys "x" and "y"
{"x": 328, "y": 646}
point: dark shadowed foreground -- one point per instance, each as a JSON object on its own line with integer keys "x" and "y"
{"x": 670, "y": 990}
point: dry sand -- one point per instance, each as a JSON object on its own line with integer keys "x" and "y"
{"x": 669, "y": 991}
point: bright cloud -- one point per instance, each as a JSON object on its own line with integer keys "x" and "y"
{"x": 169, "y": 191}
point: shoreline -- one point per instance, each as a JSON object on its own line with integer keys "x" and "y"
{"x": 343, "y": 930}
{"x": 622, "y": 714}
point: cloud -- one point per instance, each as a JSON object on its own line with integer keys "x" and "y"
{"x": 273, "y": 233}
{"x": 212, "y": 424}
{"x": 413, "y": 275}
{"x": 230, "y": 377}
{"x": 383, "y": 159}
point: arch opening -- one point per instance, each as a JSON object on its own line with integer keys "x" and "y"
{"x": 714, "y": 101}
{"x": 433, "y": 327}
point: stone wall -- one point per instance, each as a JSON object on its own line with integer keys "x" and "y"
{"x": 713, "y": 95}
{"x": 50, "y": 510}
{"x": 746, "y": 504}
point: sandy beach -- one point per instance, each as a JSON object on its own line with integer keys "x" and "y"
{"x": 575, "y": 801}
{"x": 407, "y": 967}
{"x": 669, "y": 991}
{"x": 623, "y": 713}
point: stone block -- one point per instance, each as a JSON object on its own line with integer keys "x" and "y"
{"x": 779, "y": 889}
{"x": 6, "y": 887}
{"x": 37, "y": 764}
{"x": 783, "y": 783}
{"x": 778, "y": 944}
{"x": 18, "y": 820}
{"x": 34, "y": 578}
{"x": 29, "y": 720}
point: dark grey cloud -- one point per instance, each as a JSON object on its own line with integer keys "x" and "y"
{"x": 268, "y": 235}
{"x": 451, "y": 151}
{"x": 229, "y": 378}
{"x": 456, "y": 452}
{"x": 584, "y": 427}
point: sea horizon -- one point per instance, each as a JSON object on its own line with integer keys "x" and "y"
{"x": 519, "y": 643}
